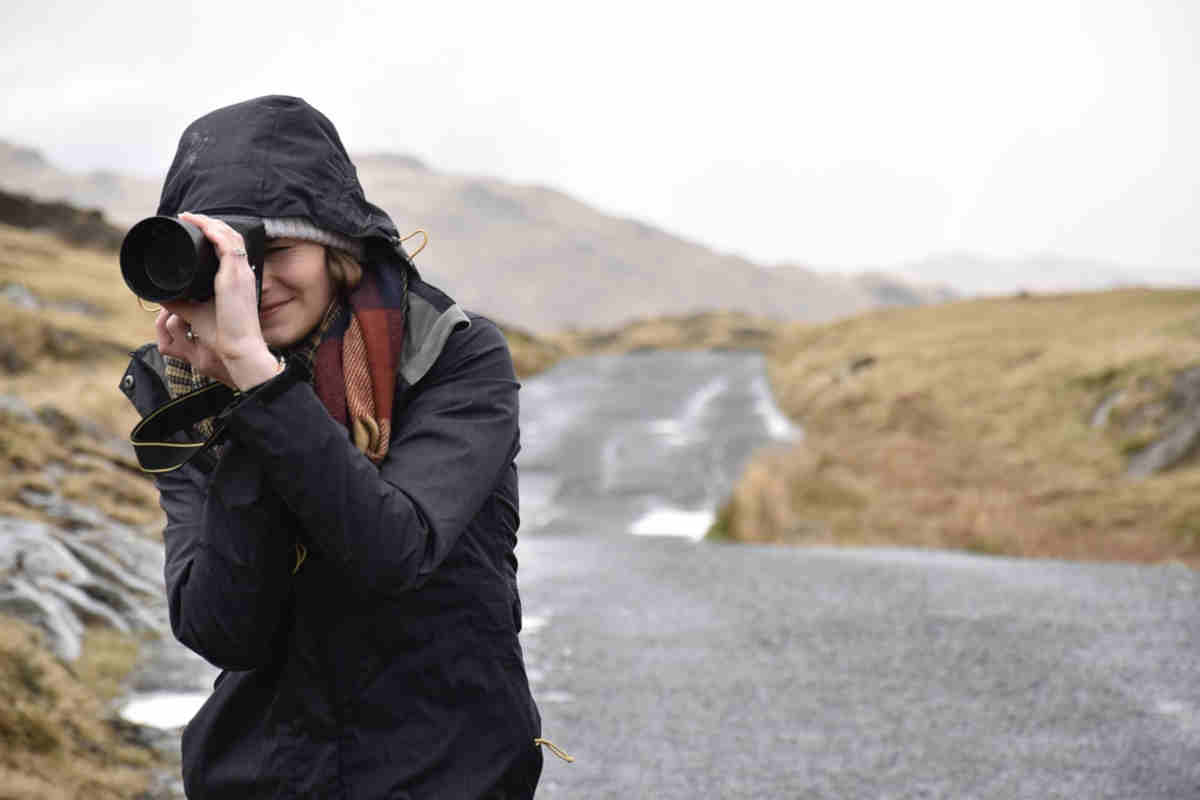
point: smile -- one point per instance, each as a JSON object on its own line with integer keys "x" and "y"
{"x": 267, "y": 311}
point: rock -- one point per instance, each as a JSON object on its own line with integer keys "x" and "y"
{"x": 1099, "y": 417}
{"x": 47, "y": 611}
{"x": 28, "y": 548}
{"x": 57, "y": 421}
{"x": 59, "y": 580}
{"x": 20, "y": 296}
{"x": 1168, "y": 451}
{"x": 1183, "y": 429}
{"x": 15, "y": 407}
{"x": 86, "y": 228}
{"x": 859, "y": 363}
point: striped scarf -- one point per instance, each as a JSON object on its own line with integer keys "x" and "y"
{"x": 352, "y": 364}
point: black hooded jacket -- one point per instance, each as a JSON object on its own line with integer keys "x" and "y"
{"x": 388, "y": 665}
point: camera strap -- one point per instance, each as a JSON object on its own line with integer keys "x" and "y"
{"x": 155, "y": 438}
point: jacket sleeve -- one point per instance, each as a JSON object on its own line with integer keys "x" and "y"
{"x": 228, "y": 561}
{"x": 388, "y": 528}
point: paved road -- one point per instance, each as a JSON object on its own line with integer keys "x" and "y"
{"x": 673, "y": 669}
{"x": 680, "y": 669}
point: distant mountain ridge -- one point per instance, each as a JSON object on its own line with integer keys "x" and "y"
{"x": 530, "y": 255}
{"x": 974, "y": 274}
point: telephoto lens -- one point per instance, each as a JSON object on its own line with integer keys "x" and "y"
{"x": 165, "y": 259}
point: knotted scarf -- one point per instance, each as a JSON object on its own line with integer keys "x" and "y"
{"x": 353, "y": 363}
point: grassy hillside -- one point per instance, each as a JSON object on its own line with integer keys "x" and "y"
{"x": 999, "y": 426}
{"x": 71, "y": 351}
{"x": 61, "y": 361}
{"x": 57, "y": 737}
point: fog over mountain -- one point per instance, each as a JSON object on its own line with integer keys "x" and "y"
{"x": 530, "y": 256}
{"x": 972, "y": 274}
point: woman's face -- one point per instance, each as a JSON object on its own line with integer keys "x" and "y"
{"x": 296, "y": 290}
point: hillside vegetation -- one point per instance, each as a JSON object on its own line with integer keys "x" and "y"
{"x": 1014, "y": 426}
{"x": 58, "y": 739}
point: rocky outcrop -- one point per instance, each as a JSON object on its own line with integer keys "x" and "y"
{"x": 1181, "y": 434}
{"x": 80, "y": 597}
{"x": 75, "y": 521}
{"x": 83, "y": 228}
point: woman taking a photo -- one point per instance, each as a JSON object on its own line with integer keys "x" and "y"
{"x": 346, "y": 555}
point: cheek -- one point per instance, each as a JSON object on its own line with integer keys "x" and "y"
{"x": 322, "y": 287}
{"x": 314, "y": 280}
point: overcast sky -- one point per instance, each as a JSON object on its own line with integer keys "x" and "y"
{"x": 840, "y": 134}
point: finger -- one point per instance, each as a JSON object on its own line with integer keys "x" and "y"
{"x": 227, "y": 241}
{"x": 172, "y": 338}
{"x": 177, "y": 328}
{"x": 161, "y": 333}
{"x": 180, "y": 308}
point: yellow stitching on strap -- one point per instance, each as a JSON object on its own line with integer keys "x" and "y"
{"x": 558, "y": 751}
{"x": 301, "y": 554}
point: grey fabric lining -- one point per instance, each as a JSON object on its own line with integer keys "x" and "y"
{"x": 300, "y": 228}
{"x": 428, "y": 330}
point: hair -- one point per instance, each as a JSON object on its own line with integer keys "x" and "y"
{"x": 343, "y": 268}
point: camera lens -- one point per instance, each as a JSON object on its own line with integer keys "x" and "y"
{"x": 168, "y": 259}
{"x": 163, "y": 258}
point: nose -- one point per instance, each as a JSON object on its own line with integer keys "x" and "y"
{"x": 267, "y": 274}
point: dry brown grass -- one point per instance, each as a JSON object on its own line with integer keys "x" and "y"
{"x": 722, "y": 330}
{"x": 74, "y": 360}
{"x": 967, "y": 425}
{"x": 58, "y": 737}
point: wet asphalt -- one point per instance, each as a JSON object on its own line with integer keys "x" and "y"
{"x": 675, "y": 669}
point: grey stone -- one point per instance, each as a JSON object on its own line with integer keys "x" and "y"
{"x": 20, "y": 296}
{"x": 1182, "y": 431}
{"x": 13, "y": 406}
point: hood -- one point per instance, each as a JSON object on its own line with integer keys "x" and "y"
{"x": 273, "y": 156}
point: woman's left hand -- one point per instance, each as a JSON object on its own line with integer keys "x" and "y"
{"x": 227, "y": 342}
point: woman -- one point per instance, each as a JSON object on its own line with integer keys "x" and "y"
{"x": 347, "y": 558}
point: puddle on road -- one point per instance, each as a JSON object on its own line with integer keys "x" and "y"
{"x": 164, "y": 710}
{"x": 674, "y": 522}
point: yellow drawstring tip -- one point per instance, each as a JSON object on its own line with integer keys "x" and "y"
{"x": 424, "y": 241}
{"x": 558, "y": 751}
{"x": 301, "y": 554}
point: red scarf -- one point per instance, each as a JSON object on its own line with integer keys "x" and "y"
{"x": 354, "y": 369}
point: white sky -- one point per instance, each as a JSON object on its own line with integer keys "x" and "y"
{"x": 844, "y": 135}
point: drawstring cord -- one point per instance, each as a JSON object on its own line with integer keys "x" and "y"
{"x": 424, "y": 237}
{"x": 301, "y": 554}
{"x": 558, "y": 751}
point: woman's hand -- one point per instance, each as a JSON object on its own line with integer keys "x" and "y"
{"x": 226, "y": 342}
{"x": 171, "y": 331}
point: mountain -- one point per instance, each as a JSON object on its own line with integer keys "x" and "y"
{"x": 1043, "y": 272}
{"x": 527, "y": 255}
{"x": 124, "y": 199}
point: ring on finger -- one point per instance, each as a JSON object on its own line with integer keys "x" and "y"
{"x": 238, "y": 253}
{"x": 191, "y": 335}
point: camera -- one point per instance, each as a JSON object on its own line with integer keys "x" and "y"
{"x": 165, "y": 259}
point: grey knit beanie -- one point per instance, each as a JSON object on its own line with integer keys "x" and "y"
{"x": 301, "y": 228}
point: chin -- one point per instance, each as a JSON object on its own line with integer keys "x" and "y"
{"x": 278, "y": 338}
